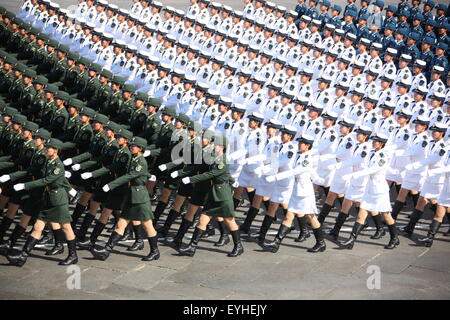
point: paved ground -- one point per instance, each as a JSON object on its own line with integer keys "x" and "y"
{"x": 409, "y": 272}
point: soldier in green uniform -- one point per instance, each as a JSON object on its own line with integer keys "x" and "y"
{"x": 164, "y": 155}
{"x": 69, "y": 78}
{"x": 6, "y": 128}
{"x": 91, "y": 89}
{"x": 39, "y": 54}
{"x": 30, "y": 201}
{"x": 190, "y": 157}
{"x": 137, "y": 206}
{"x": 49, "y": 58}
{"x": 152, "y": 124}
{"x": 38, "y": 101}
{"x": 59, "y": 67}
{"x": 59, "y": 118}
{"x": 82, "y": 77}
{"x": 115, "y": 100}
{"x": 126, "y": 108}
{"x": 105, "y": 159}
{"x": 28, "y": 46}
{"x": 45, "y": 114}
{"x": 12, "y": 44}
{"x": 115, "y": 200}
{"x": 54, "y": 210}
{"x": 27, "y": 93}
{"x": 159, "y": 147}
{"x": 139, "y": 113}
{"x": 104, "y": 93}
{"x": 7, "y": 74}
{"x": 17, "y": 85}
{"x": 219, "y": 200}
{"x": 74, "y": 122}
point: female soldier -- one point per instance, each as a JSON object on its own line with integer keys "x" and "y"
{"x": 303, "y": 199}
{"x": 199, "y": 190}
{"x": 376, "y": 195}
{"x": 281, "y": 191}
{"x": 344, "y": 150}
{"x": 443, "y": 203}
{"x": 263, "y": 188}
{"x": 119, "y": 166}
{"x": 433, "y": 184}
{"x": 219, "y": 200}
{"x": 55, "y": 208}
{"x": 356, "y": 186}
{"x": 413, "y": 179}
{"x": 137, "y": 204}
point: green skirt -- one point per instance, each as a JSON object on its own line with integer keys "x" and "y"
{"x": 57, "y": 214}
{"x": 116, "y": 200}
{"x": 224, "y": 209}
{"x": 138, "y": 212}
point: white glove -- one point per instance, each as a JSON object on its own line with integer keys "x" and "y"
{"x": 4, "y": 178}
{"x": 106, "y": 188}
{"x": 271, "y": 178}
{"x": 235, "y": 184}
{"x": 147, "y": 153}
{"x": 68, "y": 162}
{"x": 409, "y": 167}
{"x": 19, "y": 186}
{"x": 73, "y": 193}
{"x": 186, "y": 180}
{"x": 152, "y": 178}
{"x": 162, "y": 167}
{"x": 76, "y": 167}
{"x": 86, "y": 175}
{"x": 67, "y": 174}
{"x": 174, "y": 174}
{"x": 347, "y": 177}
{"x": 242, "y": 162}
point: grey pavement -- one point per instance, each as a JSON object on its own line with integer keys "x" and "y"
{"x": 408, "y": 272}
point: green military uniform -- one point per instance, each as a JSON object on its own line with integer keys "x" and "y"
{"x": 59, "y": 118}
{"x": 82, "y": 138}
{"x": 137, "y": 205}
{"x": 56, "y": 203}
{"x": 124, "y": 111}
{"x": 50, "y": 59}
{"x": 81, "y": 80}
{"x": 137, "y": 120}
{"x": 92, "y": 88}
{"x": 27, "y": 94}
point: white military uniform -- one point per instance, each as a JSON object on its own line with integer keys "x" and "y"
{"x": 357, "y": 162}
{"x": 270, "y": 154}
{"x": 254, "y": 145}
{"x": 416, "y": 151}
{"x": 325, "y": 145}
{"x": 434, "y": 183}
{"x": 400, "y": 141}
{"x": 344, "y": 151}
{"x": 282, "y": 190}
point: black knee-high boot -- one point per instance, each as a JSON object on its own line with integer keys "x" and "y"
{"x": 326, "y": 190}
{"x": 396, "y": 208}
{"x": 397, "y": 187}
{"x": 428, "y": 240}
{"x": 192, "y": 247}
{"x": 59, "y": 243}
{"x": 320, "y": 245}
{"x": 324, "y": 212}
{"x": 154, "y": 251}
{"x": 96, "y": 232}
{"x": 20, "y": 258}
{"x": 224, "y": 238}
{"x": 103, "y": 253}
{"x": 267, "y": 222}
{"x": 357, "y": 228}
{"x": 415, "y": 217}
{"x": 116, "y": 219}
{"x": 4, "y": 226}
{"x": 266, "y": 204}
{"x": 138, "y": 238}
{"x": 304, "y": 232}
{"x": 379, "y": 226}
{"x": 171, "y": 217}
{"x": 340, "y": 220}
{"x": 274, "y": 245}
{"x": 341, "y": 201}
{"x": 15, "y": 235}
{"x": 77, "y": 213}
{"x": 251, "y": 214}
{"x": 238, "y": 249}
{"x": 160, "y": 207}
{"x": 393, "y": 241}
{"x": 47, "y": 235}
{"x": 87, "y": 221}
{"x": 251, "y": 195}
{"x": 72, "y": 258}
{"x": 128, "y": 233}
{"x": 415, "y": 198}
{"x": 184, "y": 227}
{"x": 236, "y": 202}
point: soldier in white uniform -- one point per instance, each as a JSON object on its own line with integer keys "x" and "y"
{"x": 254, "y": 101}
{"x": 136, "y": 7}
{"x": 162, "y": 85}
{"x": 235, "y": 132}
{"x": 106, "y": 56}
{"x": 413, "y": 179}
{"x": 432, "y": 187}
{"x": 187, "y": 99}
{"x": 376, "y": 196}
{"x": 223, "y": 120}
{"x": 177, "y": 88}
{"x": 302, "y": 203}
{"x": 436, "y": 84}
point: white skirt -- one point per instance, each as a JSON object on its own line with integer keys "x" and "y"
{"x": 413, "y": 182}
{"x": 235, "y": 170}
{"x": 444, "y": 197}
{"x": 282, "y": 194}
{"x": 355, "y": 193}
{"x": 376, "y": 202}
{"x": 339, "y": 185}
{"x": 431, "y": 190}
{"x": 264, "y": 188}
{"x": 303, "y": 205}
{"x": 248, "y": 178}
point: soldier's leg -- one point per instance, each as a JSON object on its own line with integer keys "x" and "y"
{"x": 379, "y": 232}
{"x": 357, "y": 228}
{"x": 3, "y": 202}
{"x": 162, "y": 204}
{"x": 87, "y": 221}
{"x": 186, "y": 222}
{"x": 172, "y": 216}
{"x": 340, "y": 219}
{"x": 267, "y": 222}
{"x": 200, "y": 229}
{"x": 138, "y": 236}
{"x": 224, "y": 238}
{"x": 238, "y": 249}
{"x": 327, "y": 206}
{"x": 72, "y": 258}
{"x": 415, "y": 217}
{"x": 251, "y": 214}
{"x": 80, "y": 208}
{"x": 284, "y": 229}
{"x": 303, "y": 226}
{"x": 116, "y": 235}
{"x": 152, "y": 240}
{"x": 434, "y": 226}
{"x": 58, "y": 234}
{"x": 318, "y": 234}
{"x": 393, "y": 241}
{"x": 237, "y": 196}
{"x": 19, "y": 258}
{"x": 399, "y": 203}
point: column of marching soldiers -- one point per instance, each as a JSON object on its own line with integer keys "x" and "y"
{"x": 211, "y": 103}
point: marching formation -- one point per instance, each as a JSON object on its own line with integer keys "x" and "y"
{"x": 112, "y": 109}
